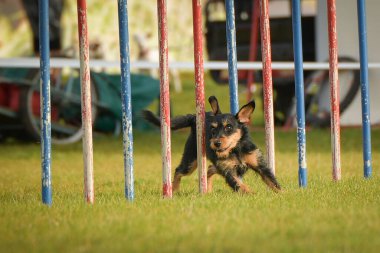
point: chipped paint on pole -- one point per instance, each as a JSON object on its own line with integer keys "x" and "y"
{"x": 334, "y": 89}
{"x": 267, "y": 83}
{"x": 164, "y": 99}
{"x": 199, "y": 95}
{"x": 86, "y": 102}
{"x": 364, "y": 80}
{"x": 231, "y": 55}
{"x": 126, "y": 99}
{"x": 299, "y": 88}
{"x": 45, "y": 101}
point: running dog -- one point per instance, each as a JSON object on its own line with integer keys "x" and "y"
{"x": 228, "y": 146}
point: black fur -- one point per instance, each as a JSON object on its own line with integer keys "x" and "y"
{"x": 228, "y": 146}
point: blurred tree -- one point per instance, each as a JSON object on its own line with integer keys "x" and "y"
{"x": 102, "y": 27}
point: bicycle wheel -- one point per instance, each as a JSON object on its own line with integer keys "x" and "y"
{"x": 317, "y": 95}
{"x": 66, "y": 120}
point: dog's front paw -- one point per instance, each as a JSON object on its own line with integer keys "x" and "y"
{"x": 245, "y": 189}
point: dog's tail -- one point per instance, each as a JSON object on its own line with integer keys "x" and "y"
{"x": 175, "y": 123}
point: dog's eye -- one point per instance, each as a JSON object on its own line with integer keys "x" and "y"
{"x": 213, "y": 130}
{"x": 228, "y": 129}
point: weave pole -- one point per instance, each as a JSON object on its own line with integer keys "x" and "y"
{"x": 231, "y": 55}
{"x": 126, "y": 98}
{"x": 45, "y": 101}
{"x": 164, "y": 99}
{"x": 267, "y": 83}
{"x": 253, "y": 46}
{"x": 85, "y": 102}
{"x": 199, "y": 95}
{"x": 364, "y": 80}
{"x": 334, "y": 90}
{"x": 299, "y": 88}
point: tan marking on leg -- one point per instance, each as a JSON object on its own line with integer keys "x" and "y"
{"x": 192, "y": 167}
{"x": 210, "y": 173}
{"x": 176, "y": 181}
{"x": 178, "y": 176}
{"x": 242, "y": 187}
{"x": 252, "y": 159}
{"x": 271, "y": 185}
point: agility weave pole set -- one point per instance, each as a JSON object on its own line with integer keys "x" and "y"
{"x": 165, "y": 98}
{"x": 85, "y": 101}
{"x": 268, "y": 86}
{"x": 334, "y": 90}
{"x": 199, "y": 92}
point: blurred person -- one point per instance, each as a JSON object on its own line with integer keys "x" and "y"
{"x": 55, "y": 14}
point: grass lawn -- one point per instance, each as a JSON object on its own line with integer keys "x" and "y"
{"x": 326, "y": 217}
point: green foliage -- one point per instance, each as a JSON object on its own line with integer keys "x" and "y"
{"x": 15, "y": 34}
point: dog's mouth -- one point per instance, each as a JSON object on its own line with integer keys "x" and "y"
{"x": 220, "y": 150}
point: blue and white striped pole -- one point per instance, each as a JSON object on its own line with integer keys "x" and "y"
{"x": 231, "y": 54}
{"x": 299, "y": 88}
{"x": 45, "y": 101}
{"x": 126, "y": 99}
{"x": 366, "y": 119}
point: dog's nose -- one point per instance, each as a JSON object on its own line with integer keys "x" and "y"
{"x": 217, "y": 144}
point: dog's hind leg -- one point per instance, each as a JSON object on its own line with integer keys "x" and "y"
{"x": 210, "y": 173}
{"x": 256, "y": 161}
{"x": 184, "y": 169}
{"x": 188, "y": 163}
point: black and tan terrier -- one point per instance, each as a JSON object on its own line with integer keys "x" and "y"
{"x": 228, "y": 146}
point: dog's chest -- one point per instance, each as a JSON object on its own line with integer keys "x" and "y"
{"x": 230, "y": 164}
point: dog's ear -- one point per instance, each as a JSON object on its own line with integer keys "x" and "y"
{"x": 244, "y": 114}
{"x": 214, "y": 105}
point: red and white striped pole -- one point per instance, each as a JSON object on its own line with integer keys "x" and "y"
{"x": 164, "y": 99}
{"x": 199, "y": 95}
{"x": 86, "y": 102}
{"x": 334, "y": 89}
{"x": 267, "y": 82}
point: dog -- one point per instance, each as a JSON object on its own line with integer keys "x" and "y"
{"x": 228, "y": 147}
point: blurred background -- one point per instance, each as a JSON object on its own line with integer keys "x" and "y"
{"x": 19, "y": 87}
{"x": 103, "y": 27}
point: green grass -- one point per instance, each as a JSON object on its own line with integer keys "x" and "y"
{"x": 325, "y": 217}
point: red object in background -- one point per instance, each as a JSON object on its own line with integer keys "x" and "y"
{"x": 36, "y": 104}
{"x": 255, "y": 17}
{"x": 10, "y": 96}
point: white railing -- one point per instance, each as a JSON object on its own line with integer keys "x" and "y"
{"x": 74, "y": 63}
